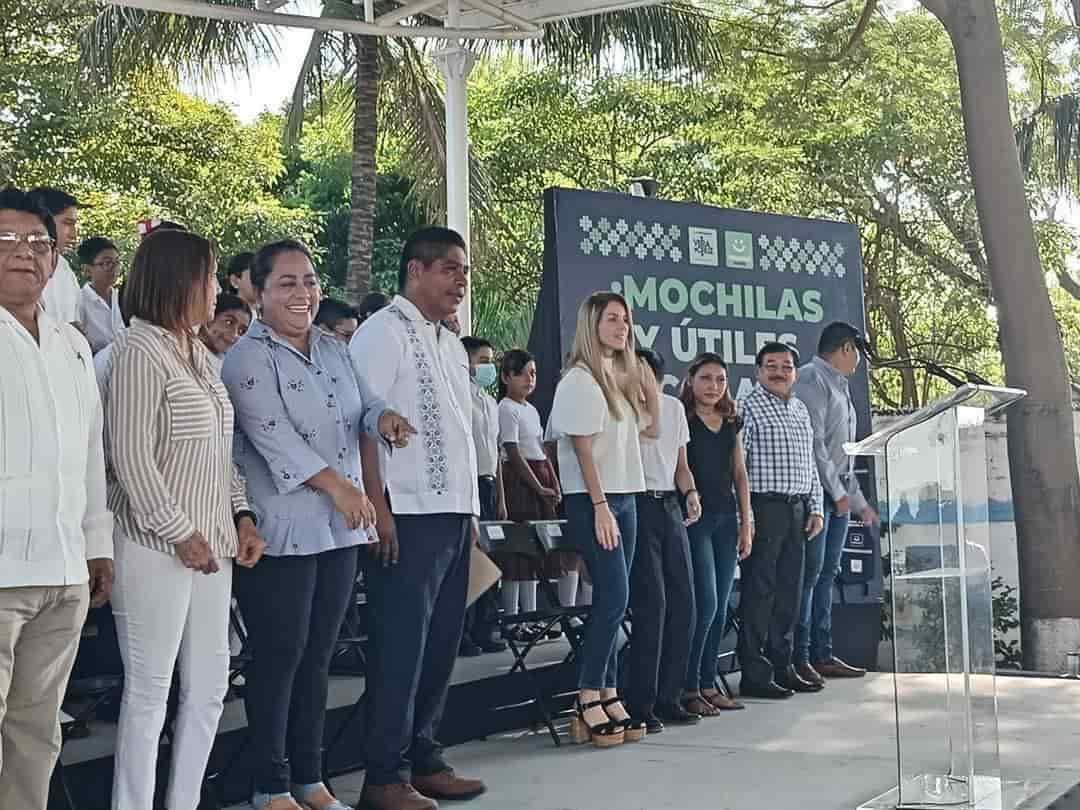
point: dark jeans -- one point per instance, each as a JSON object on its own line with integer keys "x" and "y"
{"x": 813, "y": 635}
{"x": 609, "y": 570}
{"x": 662, "y": 605}
{"x": 417, "y": 609}
{"x": 714, "y": 552}
{"x": 771, "y": 588}
{"x": 293, "y": 607}
{"x": 482, "y": 617}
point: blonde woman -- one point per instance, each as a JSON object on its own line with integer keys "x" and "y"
{"x": 601, "y": 404}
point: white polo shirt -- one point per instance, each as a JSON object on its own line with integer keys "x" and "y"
{"x": 485, "y": 428}
{"x": 421, "y": 370}
{"x": 100, "y": 318}
{"x": 660, "y": 456}
{"x": 580, "y": 409}
{"x": 61, "y": 295}
{"x": 53, "y": 516}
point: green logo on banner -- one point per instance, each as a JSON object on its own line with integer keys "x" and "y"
{"x": 739, "y": 250}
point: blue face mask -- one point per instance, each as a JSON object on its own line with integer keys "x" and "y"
{"x": 485, "y": 375}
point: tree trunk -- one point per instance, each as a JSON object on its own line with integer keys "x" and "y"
{"x": 365, "y": 140}
{"x": 1042, "y": 460}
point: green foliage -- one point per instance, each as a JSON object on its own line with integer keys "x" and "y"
{"x": 140, "y": 149}
{"x": 1006, "y": 620}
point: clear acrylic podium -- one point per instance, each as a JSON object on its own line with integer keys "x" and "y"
{"x": 936, "y": 535}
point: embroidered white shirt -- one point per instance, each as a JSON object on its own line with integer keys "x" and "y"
{"x": 420, "y": 369}
{"x": 61, "y": 295}
{"x": 100, "y": 318}
{"x": 53, "y": 516}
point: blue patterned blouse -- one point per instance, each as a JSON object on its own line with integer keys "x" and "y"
{"x": 294, "y": 417}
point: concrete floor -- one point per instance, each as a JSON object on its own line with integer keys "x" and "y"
{"x": 830, "y": 751}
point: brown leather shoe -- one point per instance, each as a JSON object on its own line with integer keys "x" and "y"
{"x": 835, "y": 668}
{"x": 394, "y": 797}
{"x": 808, "y": 673}
{"x": 448, "y": 785}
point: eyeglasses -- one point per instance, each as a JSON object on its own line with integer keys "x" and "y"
{"x": 108, "y": 264}
{"x": 39, "y": 243}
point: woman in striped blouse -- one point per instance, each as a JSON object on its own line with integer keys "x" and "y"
{"x": 181, "y": 518}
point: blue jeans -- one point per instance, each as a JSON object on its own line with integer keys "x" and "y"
{"x": 610, "y": 570}
{"x": 813, "y": 634}
{"x": 714, "y": 555}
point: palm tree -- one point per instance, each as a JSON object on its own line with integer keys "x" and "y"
{"x": 667, "y": 37}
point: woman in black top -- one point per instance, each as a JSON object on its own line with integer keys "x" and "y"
{"x": 719, "y": 539}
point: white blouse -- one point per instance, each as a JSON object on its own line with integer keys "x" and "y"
{"x": 580, "y": 409}
{"x": 519, "y": 422}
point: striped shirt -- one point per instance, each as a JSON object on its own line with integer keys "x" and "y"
{"x": 169, "y": 430}
{"x": 778, "y": 440}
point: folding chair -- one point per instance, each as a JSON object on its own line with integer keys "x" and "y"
{"x": 733, "y": 625}
{"x": 505, "y": 537}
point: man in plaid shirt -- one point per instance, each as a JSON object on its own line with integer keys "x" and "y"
{"x": 786, "y": 496}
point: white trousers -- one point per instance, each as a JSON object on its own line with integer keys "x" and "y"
{"x": 166, "y": 615}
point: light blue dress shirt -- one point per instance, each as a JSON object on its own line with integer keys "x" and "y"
{"x": 295, "y": 416}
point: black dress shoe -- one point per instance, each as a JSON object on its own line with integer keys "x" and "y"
{"x": 468, "y": 649}
{"x": 492, "y": 645}
{"x": 789, "y": 679}
{"x": 675, "y": 715}
{"x": 651, "y": 721}
{"x": 770, "y": 691}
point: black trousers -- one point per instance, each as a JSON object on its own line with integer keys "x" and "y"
{"x": 662, "y": 605}
{"x": 417, "y": 613}
{"x": 771, "y": 586}
{"x": 482, "y": 617}
{"x": 293, "y": 607}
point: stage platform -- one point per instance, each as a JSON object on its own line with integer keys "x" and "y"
{"x": 829, "y": 751}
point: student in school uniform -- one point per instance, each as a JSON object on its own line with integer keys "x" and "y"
{"x": 482, "y": 616}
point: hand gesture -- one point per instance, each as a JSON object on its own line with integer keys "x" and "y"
{"x": 395, "y": 428}
{"x": 693, "y": 508}
{"x": 746, "y": 539}
{"x": 195, "y": 554}
{"x": 386, "y": 550}
{"x": 607, "y": 530}
{"x": 101, "y": 581}
{"x": 250, "y": 545}
{"x": 353, "y": 505}
{"x": 814, "y": 525}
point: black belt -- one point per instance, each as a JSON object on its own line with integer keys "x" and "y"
{"x": 780, "y": 497}
{"x": 659, "y": 494}
{"x": 487, "y": 477}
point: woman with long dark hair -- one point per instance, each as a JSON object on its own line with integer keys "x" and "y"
{"x": 299, "y": 414}
{"x": 723, "y": 535}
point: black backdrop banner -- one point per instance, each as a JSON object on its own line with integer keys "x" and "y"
{"x": 698, "y": 278}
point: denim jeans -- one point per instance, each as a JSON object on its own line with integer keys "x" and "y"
{"x": 598, "y": 667}
{"x": 714, "y": 555}
{"x": 813, "y": 635}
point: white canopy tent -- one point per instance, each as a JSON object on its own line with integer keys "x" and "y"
{"x": 463, "y": 20}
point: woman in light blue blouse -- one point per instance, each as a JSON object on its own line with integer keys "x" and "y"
{"x": 298, "y": 416}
